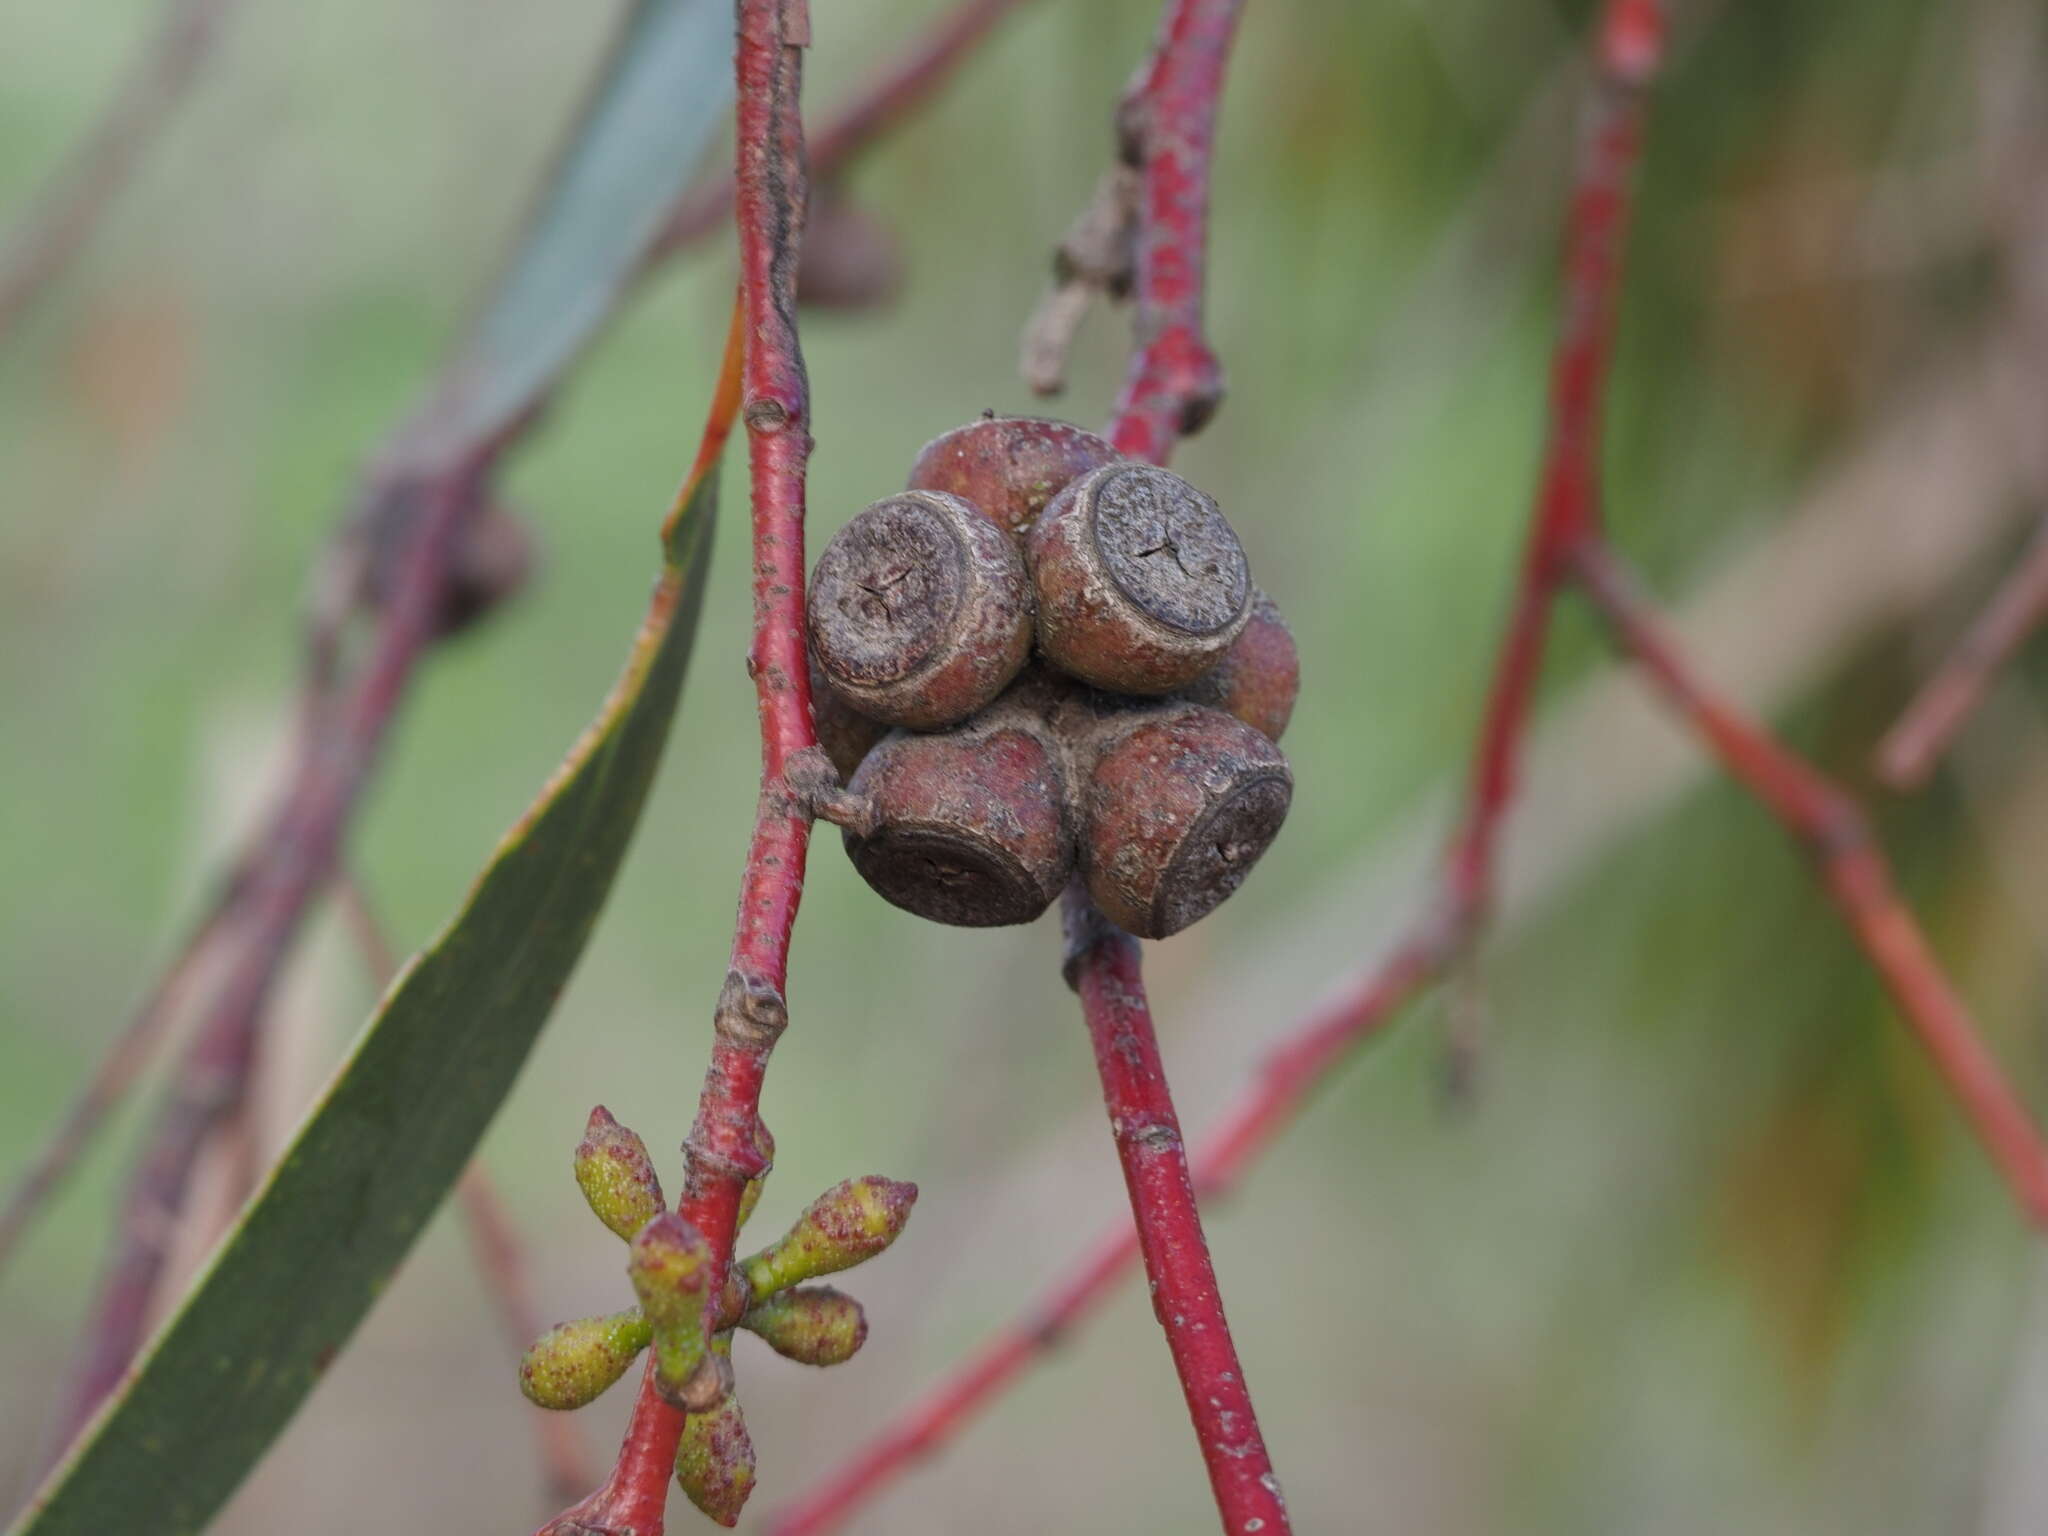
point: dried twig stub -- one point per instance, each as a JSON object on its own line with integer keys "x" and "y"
{"x": 920, "y": 610}
{"x": 1142, "y": 585}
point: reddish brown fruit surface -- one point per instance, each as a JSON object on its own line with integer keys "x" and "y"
{"x": 1142, "y": 585}
{"x": 844, "y": 732}
{"x": 1009, "y": 467}
{"x": 970, "y": 827}
{"x": 1259, "y": 676}
{"x": 919, "y": 611}
{"x": 1181, "y": 802}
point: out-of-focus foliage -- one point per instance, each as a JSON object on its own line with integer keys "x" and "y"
{"x": 1709, "y": 1252}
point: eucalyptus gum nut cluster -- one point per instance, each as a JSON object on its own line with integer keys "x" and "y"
{"x": 1259, "y": 677}
{"x": 920, "y": 611}
{"x": 1181, "y": 801}
{"x": 1142, "y": 585}
{"x": 1009, "y": 467}
{"x": 969, "y": 827}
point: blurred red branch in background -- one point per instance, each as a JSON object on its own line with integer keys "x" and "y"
{"x": 56, "y": 227}
{"x": 1911, "y": 748}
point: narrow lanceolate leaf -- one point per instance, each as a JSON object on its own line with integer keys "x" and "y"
{"x": 662, "y": 95}
{"x": 386, "y": 1142}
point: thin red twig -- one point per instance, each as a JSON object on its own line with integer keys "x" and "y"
{"x": 722, "y": 1151}
{"x": 57, "y": 225}
{"x": 1834, "y": 831}
{"x": 1104, "y": 965}
{"x": 1912, "y": 747}
{"x": 1167, "y": 125}
{"x": 904, "y": 85}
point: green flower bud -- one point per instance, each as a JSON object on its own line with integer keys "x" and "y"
{"x": 572, "y": 1363}
{"x": 849, "y": 1223}
{"x": 617, "y": 1176}
{"x": 815, "y": 1325}
{"x": 715, "y": 1457}
{"x": 671, "y": 1271}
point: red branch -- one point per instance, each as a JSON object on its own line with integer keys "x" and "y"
{"x": 1167, "y": 124}
{"x": 1911, "y": 748}
{"x": 1824, "y": 820}
{"x": 902, "y": 87}
{"x": 722, "y": 1152}
{"x": 1103, "y": 963}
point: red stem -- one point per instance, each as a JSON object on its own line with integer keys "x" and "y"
{"x": 902, "y": 87}
{"x": 721, "y": 1151}
{"x": 1104, "y": 964}
{"x": 1911, "y": 748}
{"x": 1833, "y": 829}
{"x": 1168, "y": 126}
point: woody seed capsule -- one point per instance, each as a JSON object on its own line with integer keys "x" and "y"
{"x": 1009, "y": 467}
{"x": 1181, "y": 802}
{"x": 1142, "y": 585}
{"x": 970, "y": 827}
{"x": 919, "y": 611}
{"x": 1259, "y": 676}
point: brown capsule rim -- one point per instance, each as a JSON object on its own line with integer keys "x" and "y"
{"x": 1201, "y": 589}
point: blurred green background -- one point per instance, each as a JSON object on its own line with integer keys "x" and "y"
{"x": 1706, "y": 1250}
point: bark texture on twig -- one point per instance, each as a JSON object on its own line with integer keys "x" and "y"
{"x": 723, "y": 1152}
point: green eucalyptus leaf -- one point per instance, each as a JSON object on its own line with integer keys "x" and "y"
{"x": 658, "y": 102}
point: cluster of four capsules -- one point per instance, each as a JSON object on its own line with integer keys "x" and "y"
{"x": 1042, "y": 659}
